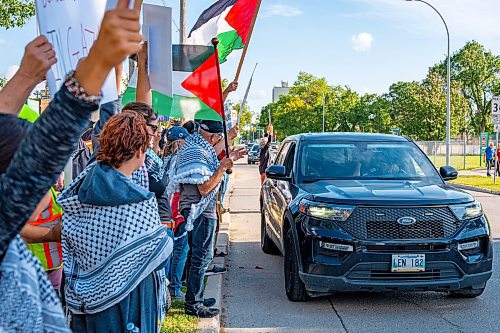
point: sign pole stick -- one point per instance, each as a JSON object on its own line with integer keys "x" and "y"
{"x": 215, "y": 42}
{"x": 245, "y": 47}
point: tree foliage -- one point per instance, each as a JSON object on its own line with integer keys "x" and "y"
{"x": 418, "y": 108}
{"x": 15, "y": 13}
{"x": 477, "y": 71}
{"x": 3, "y": 81}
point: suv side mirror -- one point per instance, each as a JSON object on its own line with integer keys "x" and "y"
{"x": 277, "y": 172}
{"x": 448, "y": 173}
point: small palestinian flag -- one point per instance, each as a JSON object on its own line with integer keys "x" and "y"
{"x": 229, "y": 21}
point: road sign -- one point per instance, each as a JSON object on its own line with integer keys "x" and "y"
{"x": 495, "y": 105}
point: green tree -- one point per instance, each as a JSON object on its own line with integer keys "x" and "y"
{"x": 15, "y": 13}
{"x": 478, "y": 73}
{"x": 3, "y": 81}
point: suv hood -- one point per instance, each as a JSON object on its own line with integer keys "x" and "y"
{"x": 385, "y": 192}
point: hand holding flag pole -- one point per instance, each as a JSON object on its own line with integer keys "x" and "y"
{"x": 215, "y": 42}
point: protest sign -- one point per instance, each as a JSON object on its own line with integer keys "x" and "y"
{"x": 72, "y": 27}
{"x": 158, "y": 28}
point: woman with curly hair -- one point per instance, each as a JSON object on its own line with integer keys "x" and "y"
{"x": 114, "y": 246}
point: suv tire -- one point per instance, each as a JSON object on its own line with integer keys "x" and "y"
{"x": 294, "y": 287}
{"x": 466, "y": 293}
{"x": 266, "y": 243}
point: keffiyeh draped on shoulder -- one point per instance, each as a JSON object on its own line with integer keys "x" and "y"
{"x": 109, "y": 248}
{"x": 197, "y": 161}
{"x": 28, "y": 303}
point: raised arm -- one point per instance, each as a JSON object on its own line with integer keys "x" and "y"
{"x": 43, "y": 154}
{"x": 38, "y": 57}
{"x": 143, "y": 93}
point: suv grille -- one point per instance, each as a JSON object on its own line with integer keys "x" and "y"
{"x": 381, "y": 223}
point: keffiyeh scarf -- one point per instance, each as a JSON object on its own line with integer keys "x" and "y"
{"x": 28, "y": 302}
{"x": 109, "y": 250}
{"x": 197, "y": 161}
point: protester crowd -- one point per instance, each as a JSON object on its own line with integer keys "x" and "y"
{"x": 139, "y": 216}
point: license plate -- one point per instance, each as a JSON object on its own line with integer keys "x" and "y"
{"x": 408, "y": 263}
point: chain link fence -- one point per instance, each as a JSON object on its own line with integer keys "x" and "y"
{"x": 464, "y": 154}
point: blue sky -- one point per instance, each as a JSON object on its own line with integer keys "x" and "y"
{"x": 365, "y": 44}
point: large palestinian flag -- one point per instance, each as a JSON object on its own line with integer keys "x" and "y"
{"x": 229, "y": 21}
{"x": 195, "y": 85}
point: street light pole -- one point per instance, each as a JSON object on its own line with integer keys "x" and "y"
{"x": 448, "y": 84}
{"x": 324, "y": 103}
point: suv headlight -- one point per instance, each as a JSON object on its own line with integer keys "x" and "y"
{"x": 467, "y": 211}
{"x": 326, "y": 211}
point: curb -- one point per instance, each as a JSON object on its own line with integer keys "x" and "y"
{"x": 213, "y": 287}
{"x": 474, "y": 188}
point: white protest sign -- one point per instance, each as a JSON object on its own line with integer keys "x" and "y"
{"x": 72, "y": 27}
{"x": 158, "y": 24}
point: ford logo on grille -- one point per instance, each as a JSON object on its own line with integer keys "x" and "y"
{"x": 407, "y": 220}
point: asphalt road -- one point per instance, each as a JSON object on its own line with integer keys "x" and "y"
{"x": 254, "y": 298}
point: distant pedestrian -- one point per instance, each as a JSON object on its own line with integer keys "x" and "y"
{"x": 498, "y": 160}
{"x": 264, "y": 154}
{"x": 488, "y": 158}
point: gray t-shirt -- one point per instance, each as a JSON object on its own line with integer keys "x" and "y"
{"x": 190, "y": 195}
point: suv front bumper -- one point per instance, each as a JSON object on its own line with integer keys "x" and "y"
{"x": 368, "y": 266}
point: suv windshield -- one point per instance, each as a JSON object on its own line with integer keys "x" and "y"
{"x": 364, "y": 160}
{"x": 255, "y": 148}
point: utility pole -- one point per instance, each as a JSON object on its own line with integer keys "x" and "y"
{"x": 182, "y": 28}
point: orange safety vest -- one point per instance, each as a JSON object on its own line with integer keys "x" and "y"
{"x": 49, "y": 253}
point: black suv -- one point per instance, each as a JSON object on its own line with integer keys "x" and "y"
{"x": 369, "y": 212}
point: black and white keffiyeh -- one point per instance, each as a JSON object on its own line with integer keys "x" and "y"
{"x": 28, "y": 302}
{"x": 197, "y": 161}
{"x": 109, "y": 250}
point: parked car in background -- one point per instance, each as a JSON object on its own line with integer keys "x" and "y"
{"x": 253, "y": 154}
{"x": 369, "y": 212}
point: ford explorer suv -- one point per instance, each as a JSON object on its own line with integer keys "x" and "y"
{"x": 369, "y": 212}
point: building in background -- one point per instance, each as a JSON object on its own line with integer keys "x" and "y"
{"x": 278, "y": 91}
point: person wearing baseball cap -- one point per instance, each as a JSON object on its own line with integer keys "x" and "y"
{"x": 198, "y": 176}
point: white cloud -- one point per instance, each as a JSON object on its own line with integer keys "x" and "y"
{"x": 3, "y": 41}
{"x": 282, "y": 10}
{"x": 465, "y": 18}
{"x": 362, "y": 41}
{"x": 257, "y": 94}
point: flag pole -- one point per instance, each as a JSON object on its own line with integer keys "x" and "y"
{"x": 245, "y": 48}
{"x": 215, "y": 42}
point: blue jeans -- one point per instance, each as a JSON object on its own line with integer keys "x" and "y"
{"x": 201, "y": 248}
{"x": 170, "y": 234}
{"x": 223, "y": 188}
{"x": 179, "y": 257}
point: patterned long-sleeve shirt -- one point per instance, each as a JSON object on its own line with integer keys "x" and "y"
{"x": 39, "y": 160}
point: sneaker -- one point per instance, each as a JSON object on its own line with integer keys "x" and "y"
{"x": 201, "y": 311}
{"x": 489, "y": 175}
{"x": 216, "y": 269}
{"x": 224, "y": 210}
{"x": 208, "y": 302}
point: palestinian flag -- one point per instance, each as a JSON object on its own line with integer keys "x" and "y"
{"x": 195, "y": 85}
{"x": 162, "y": 104}
{"x": 229, "y": 21}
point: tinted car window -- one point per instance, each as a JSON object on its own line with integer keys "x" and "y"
{"x": 282, "y": 154}
{"x": 364, "y": 160}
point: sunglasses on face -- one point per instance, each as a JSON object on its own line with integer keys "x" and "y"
{"x": 153, "y": 127}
